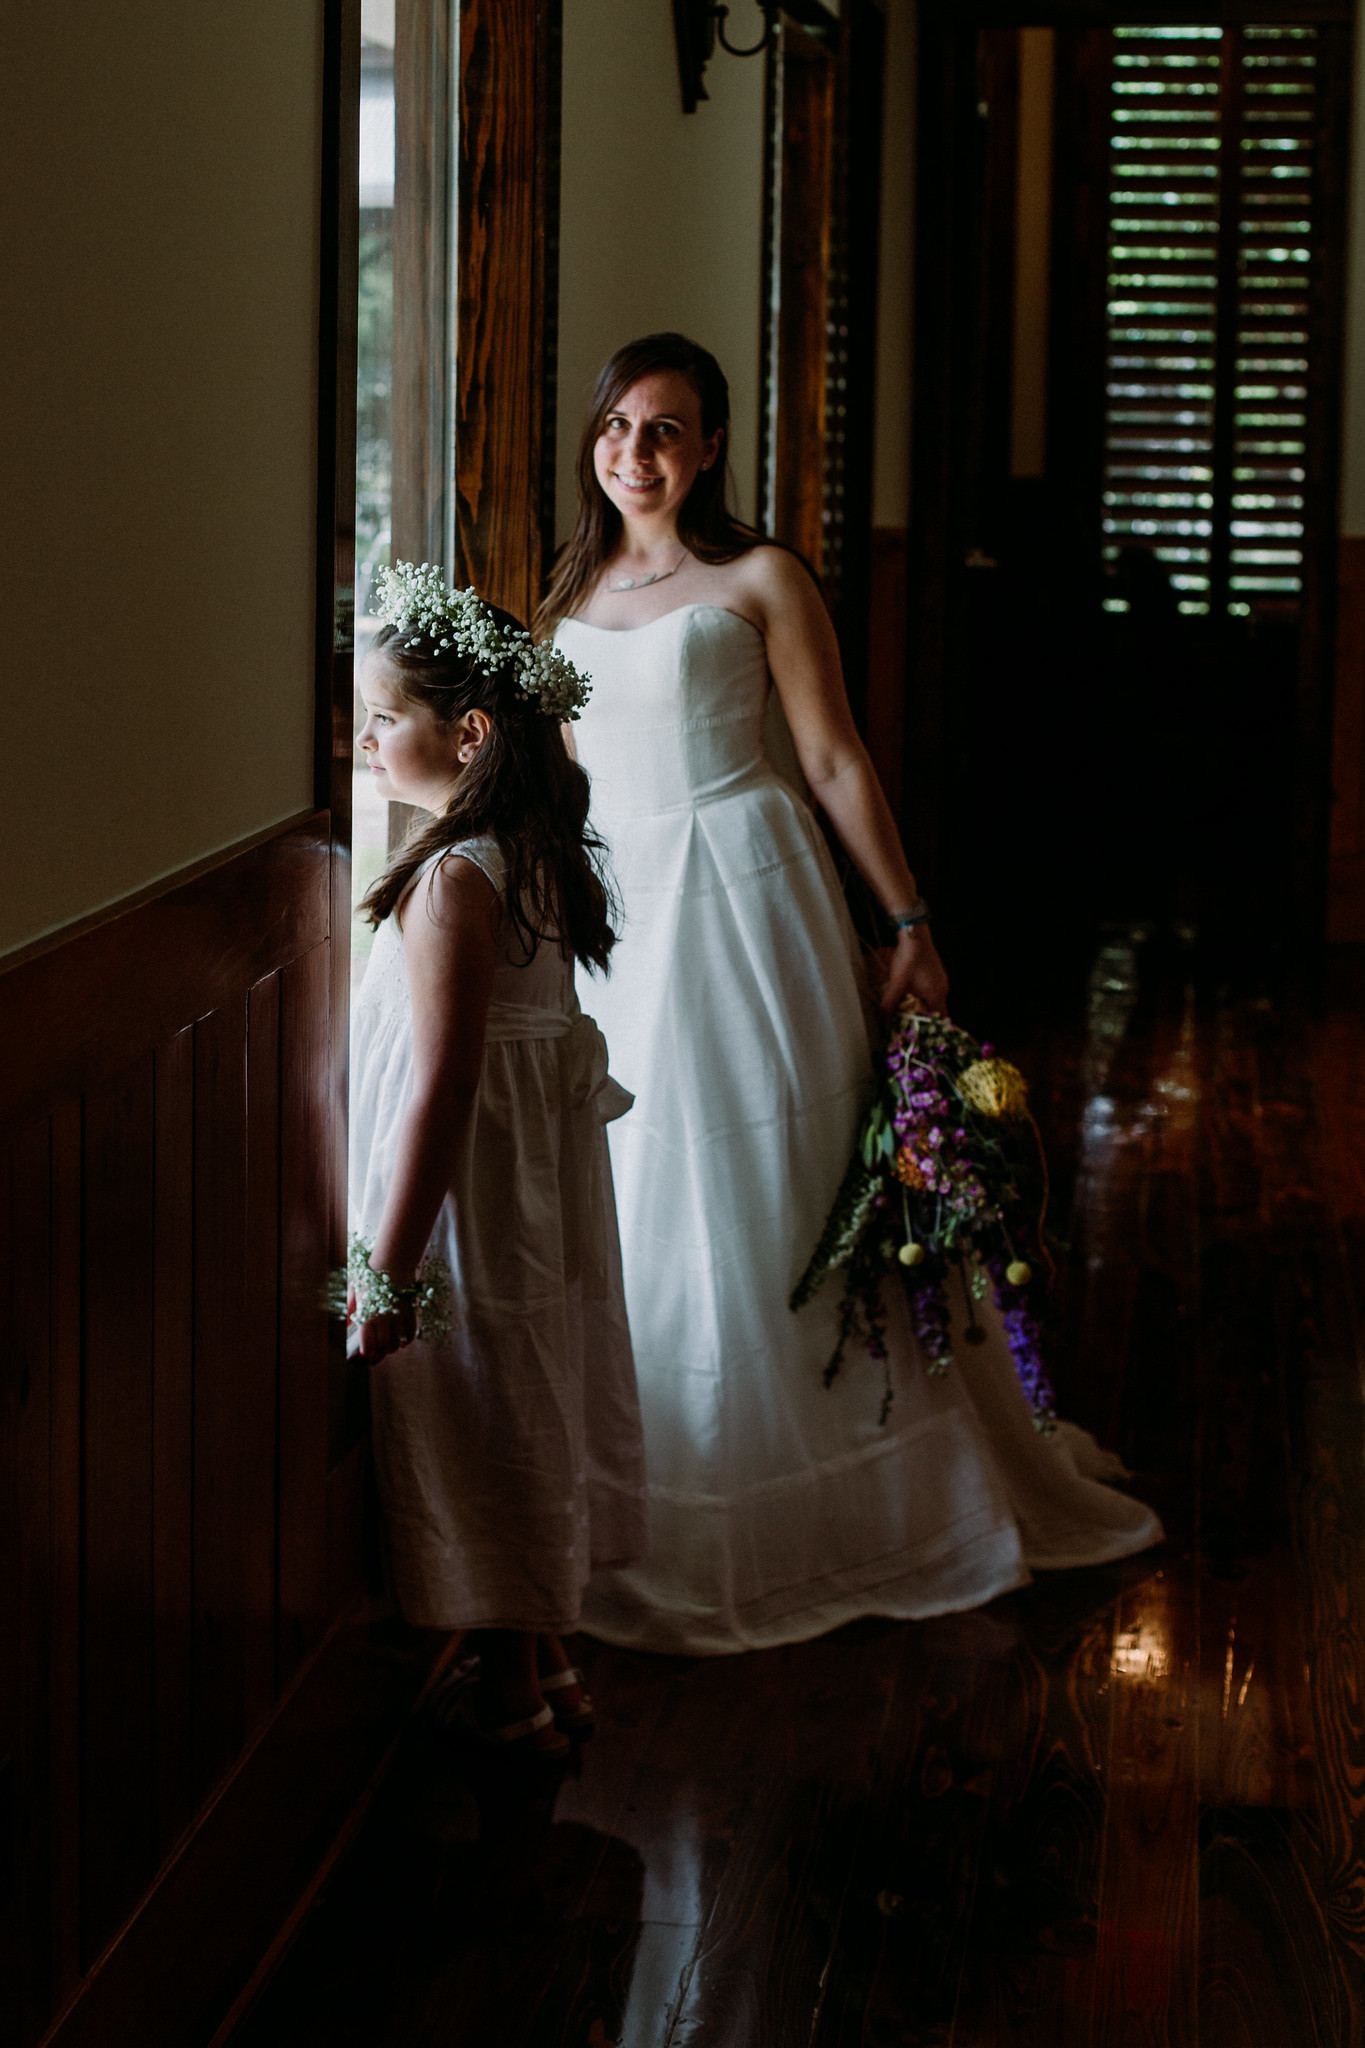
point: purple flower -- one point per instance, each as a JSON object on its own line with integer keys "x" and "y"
{"x": 929, "y": 1320}
{"x": 1026, "y": 1348}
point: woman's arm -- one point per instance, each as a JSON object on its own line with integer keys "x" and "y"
{"x": 449, "y": 944}
{"x": 803, "y": 656}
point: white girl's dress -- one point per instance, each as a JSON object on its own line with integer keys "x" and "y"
{"x": 508, "y": 1456}
{"x": 735, "y": 1015}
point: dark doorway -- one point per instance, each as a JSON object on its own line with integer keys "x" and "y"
{"x": 1123, "y": 544}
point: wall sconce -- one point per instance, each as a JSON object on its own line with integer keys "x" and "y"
{"x": 700, "y": 24}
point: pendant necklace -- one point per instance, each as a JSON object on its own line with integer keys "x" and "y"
{"x": 643, "y": 582}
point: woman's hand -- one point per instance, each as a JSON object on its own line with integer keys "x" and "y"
{"x": 914, "y": 969}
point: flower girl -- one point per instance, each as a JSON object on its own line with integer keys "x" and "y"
{"x": 484, "y": 1264}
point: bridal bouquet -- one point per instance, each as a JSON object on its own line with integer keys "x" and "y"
{"x": 948, "y": 1172}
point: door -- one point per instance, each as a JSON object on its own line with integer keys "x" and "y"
{"x": 1123, "y": 541}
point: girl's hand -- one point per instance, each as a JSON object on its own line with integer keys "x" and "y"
{"x": 914, "y": 969}
{"x": 383, "y": 1335}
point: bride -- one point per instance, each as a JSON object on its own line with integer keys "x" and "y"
{"x": 736, "y": 1014}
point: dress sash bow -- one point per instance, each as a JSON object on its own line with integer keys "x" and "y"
{"x": 590, "y": 1099}
{"x": 586, "y": 1080}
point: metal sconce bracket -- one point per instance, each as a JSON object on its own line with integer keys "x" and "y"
{"x": 700, "y": 24}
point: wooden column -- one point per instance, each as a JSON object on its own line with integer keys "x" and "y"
{"x": 507, "y": 200}
{"x": 422, "y": 62}
{"x": 803, "y": 83}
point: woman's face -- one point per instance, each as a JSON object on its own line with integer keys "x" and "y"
{"x": 651, "y": 447}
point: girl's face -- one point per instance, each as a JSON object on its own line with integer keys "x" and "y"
{"x": 410, "y": 752}
{"x": 651, "y": 447}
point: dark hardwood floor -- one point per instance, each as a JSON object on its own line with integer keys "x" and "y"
{"x": 1121, "y": 1809}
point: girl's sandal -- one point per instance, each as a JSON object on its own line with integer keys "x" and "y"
{"x": 578, "y": 1720}
{"x": 455, "y": 1711}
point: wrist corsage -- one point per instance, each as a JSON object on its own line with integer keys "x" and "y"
{"x": 377, "y": 1294}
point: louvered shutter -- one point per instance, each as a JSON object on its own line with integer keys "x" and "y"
{"x": 1210, "y": 335}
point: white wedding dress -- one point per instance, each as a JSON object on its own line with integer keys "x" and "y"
{"x": 734, "y": 1014}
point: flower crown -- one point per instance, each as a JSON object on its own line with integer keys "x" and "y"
{"x": 418, "y": 601}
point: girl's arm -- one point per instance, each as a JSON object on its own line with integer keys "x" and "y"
{"x": 450, "y": 924}
{"x": 803, "y": 657}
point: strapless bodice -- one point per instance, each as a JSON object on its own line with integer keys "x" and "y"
{"x": 676, "y": 713}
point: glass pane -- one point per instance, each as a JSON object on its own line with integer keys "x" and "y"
{"x": 374, "y": 413}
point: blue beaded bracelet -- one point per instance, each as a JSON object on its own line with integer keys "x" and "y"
{"x": 906, "y": 920}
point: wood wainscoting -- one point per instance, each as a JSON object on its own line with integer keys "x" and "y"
{"x": 1346, "y": 874}
{"x": 183, "y": 1498}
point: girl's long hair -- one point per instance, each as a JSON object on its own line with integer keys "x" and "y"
{"x": 705, "y": 525}
{"x": 521, "y": 786}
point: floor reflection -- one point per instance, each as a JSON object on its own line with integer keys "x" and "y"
{"x": 466, "y": 1911}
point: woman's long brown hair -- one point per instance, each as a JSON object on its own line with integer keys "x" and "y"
{"x": 522, "y": 786}
{"x": 705, "y": 524}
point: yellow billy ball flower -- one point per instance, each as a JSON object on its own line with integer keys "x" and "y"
{"x": 1018, "y": 1273}
{"x": 911, "y": 1254}
{"x": 994, "y": 1088}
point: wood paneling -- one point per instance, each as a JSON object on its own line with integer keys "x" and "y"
{"x": 27, "y": 1930}
{"x": 303, "y": 1354}
{"x": 259, "y": 1344}
{"x": 118, "y": 1727}
{"x": 173, "y": 1436}
{"x": 74, "y": 1014}
{"x": 164, "y": 1566}
{"x": 220, "y": 1462}
{"x": 507, "y": 257}
{"x": 65, "y": 1238}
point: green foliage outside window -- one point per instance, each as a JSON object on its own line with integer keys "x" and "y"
{"x": 374, "y": 397}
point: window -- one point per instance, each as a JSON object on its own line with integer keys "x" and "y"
{"x": 374, "y": 417}
{"x": 1211, "y": 326}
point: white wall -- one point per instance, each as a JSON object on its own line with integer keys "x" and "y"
{"x": 159, "y": 168}
{"x": 661, "y": 213}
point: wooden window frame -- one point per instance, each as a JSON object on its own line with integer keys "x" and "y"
{"x": 476, "y": 269}
{"x": 822, "y": 190}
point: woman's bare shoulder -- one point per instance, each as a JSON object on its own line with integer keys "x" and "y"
{"x": 772, "y": 567}
{"x": 773, "y": 577}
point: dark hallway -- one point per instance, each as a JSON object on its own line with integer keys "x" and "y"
{"x": 1120, "y": 1806}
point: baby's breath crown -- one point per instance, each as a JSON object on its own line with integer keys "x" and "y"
{"x": 419, "y": 601}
